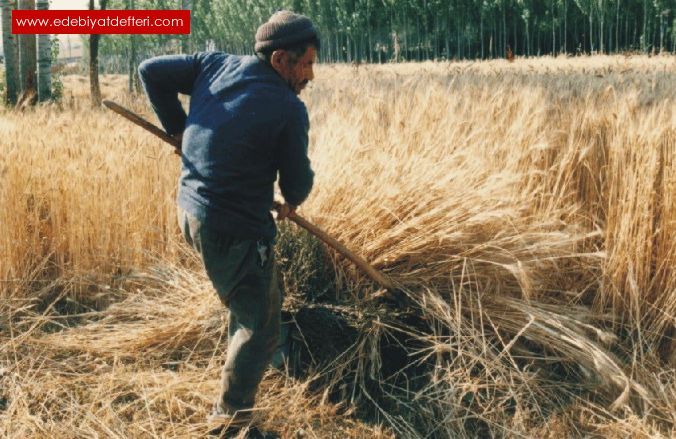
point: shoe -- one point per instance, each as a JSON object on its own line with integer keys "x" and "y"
{"x": 255, "y": 433}
{"x": 222, "y": 421}
{"x": 250, "y": 433}
{"x": 223, "y": 432}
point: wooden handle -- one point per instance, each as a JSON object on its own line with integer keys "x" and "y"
{"x": 138, "y": 120}
{"x": 374, "y": 274}
{"x": 357, "y": 260}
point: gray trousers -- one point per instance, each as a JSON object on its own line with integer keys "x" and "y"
{"x": 244, "y": 274}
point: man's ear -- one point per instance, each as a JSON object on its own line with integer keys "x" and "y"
{"x": 278, "y": 59}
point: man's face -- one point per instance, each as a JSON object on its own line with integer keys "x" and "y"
{"x": 297, "y": 71}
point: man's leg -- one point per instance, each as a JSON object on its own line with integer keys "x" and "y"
{"x": 253, "y": 333}
{"x": 245, "y": 278}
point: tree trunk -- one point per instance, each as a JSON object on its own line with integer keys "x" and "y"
{"x": 133, "y": 78}
{"x": 94, "y": 87}
{"x": 626, "y": 36}
{"x": 132, "y": 54}
{"x": 553, "y": 31}
{"x": 457, "y": 42}
{"x": 470, "y": 55}
{"x": 329, "y": 46}
{"x": 637, "y": 40}
{"x": 644, "y": 38}
{"x": 651, "y": 33}
{"x": 348, "y": 46}
{"x": 185, "y": 40}
{"x": 435, "y": 49}
{"x": 10, "y": 50}
{"x": 574, "y": 36}
{"x": 417, "y": 30}
{"x": 44, "y": 60}
{"x": 504, "y": 28}
{"x": 406, "y": 46}
{"x": 28, "y": 58}
{"x": 481, "y": 32}
{"x": 366, "y": 48}
{"x": 490, "y": 45}
{"x": 528, "y": 40}
{"x": 661, "y": 31}
{"x": 591, "y": 32}
{"x": 601, "y": 23}
{"x": 515, "y": 27}
{"x": 369, "y": 49}
{"x": 565, "y": 26}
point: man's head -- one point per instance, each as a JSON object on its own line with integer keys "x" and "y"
{"x": 289, "y": 43}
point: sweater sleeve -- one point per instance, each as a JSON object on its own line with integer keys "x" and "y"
{"x": 163, "y": 78}
{"x": 295, "y": 173}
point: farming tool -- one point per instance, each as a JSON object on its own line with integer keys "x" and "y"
{"x": 374, "y": 274}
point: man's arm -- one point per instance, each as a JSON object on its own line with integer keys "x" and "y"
{"x": 163, "y": 78}
{"x": 295, "y": 173}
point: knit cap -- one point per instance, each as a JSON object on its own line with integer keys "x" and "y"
{"x": 282, "y": 30}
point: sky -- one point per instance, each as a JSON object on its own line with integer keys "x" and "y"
{"x": 69, "y": 4}
{"x": 68, "y": 41}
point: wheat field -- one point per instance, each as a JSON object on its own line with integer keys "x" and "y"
{"x": 526, "y": 211}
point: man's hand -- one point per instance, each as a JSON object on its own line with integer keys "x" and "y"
{"x": 284, "y": 210}
{"x": 179, "y": 140}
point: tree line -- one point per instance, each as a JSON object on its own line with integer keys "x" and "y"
{"x": 373, "y": 31}
{"x": 416, "y": 30}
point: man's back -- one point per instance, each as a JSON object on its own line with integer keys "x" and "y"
{"x": 244, "y": 125}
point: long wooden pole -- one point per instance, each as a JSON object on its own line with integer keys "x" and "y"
{"x": 374, "y": 274}
{"x": 357, "y": 260}
{"x": 138, "y": 120}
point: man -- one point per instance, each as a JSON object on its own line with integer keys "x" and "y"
{"x": 246, "y": 124}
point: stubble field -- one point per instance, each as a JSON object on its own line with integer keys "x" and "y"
{"x": 526, "y": 211}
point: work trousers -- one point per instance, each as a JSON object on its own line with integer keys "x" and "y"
{"x": 244, "y": 275}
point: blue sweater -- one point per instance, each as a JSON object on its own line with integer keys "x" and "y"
{"x": 245, "y": 125}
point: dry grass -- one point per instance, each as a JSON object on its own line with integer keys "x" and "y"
{"x": 527, "y": 209}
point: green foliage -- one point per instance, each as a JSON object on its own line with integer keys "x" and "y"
{"x": 115, "y": 50}
{"x": 57, "y": 84}
{"x": 2, "y": 85}
{"x": 371, "y": 30}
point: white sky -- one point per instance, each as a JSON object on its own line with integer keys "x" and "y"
{"x": 69, "y": 4}
{"x": 68, "y": 40}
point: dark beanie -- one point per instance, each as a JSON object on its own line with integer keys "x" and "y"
{"x": 282, "y": 30}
